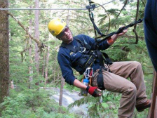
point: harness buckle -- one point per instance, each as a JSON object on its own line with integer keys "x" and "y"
{"x": 88, "y": 72}
{"x": 82, "y": 49}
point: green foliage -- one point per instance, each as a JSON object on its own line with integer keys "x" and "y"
{"x": 28, "y": 100}
{"x": 32, "y": 103}
{"x": 103, "y": 107}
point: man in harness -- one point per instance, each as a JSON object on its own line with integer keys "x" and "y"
{"x": 80, "y": 52}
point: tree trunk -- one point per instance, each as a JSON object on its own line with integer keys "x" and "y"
{"x": 62, "y": 80}
{"x": 4, "y": 52}
{"x": 61, "y": 92}
{"x": 47, "y": 61}
{"x": 30, "y": 54}
{"x": 37, "y": 35}
{"x": 46, "y": 64}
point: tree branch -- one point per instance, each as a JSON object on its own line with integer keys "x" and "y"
{"x": 134, "y": 30}
{"x": 40, "y": 44}
{"x": 125, "y": 3}
{"x": 143, "y": 3}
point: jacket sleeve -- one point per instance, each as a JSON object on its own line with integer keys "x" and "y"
{"x": 65, "y": 65}
{"x": 103, "y": 45}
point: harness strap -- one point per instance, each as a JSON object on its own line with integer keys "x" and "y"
{"x": 107, "y": 59}
{"x": 83, "y": 44}
{"x": 71, "y": 47}
{"x": 91, "y": 16}
{"x": 100, "y": 57}
{"x": 76, "y": 48}
{"x": 100, "y": 80}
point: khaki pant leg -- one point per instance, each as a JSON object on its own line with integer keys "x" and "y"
{"x": 133, "y": 70}
{"x": 115, "y": 83}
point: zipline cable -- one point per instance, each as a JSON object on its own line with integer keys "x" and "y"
{"x": 52, "y": 8}
{"x": 43, "y": 9}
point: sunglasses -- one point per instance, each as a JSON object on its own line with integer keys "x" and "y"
{"x": 66, "y": 29}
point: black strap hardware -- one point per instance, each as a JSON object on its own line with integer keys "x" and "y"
{"x": 100, "y": 80}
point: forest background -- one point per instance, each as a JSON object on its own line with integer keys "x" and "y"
{"x": 32, "y": 69}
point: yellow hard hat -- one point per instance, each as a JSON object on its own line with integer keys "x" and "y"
{"x": 56, "y": 26}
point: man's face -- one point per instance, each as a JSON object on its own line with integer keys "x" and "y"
{"x": 65, "y": 35}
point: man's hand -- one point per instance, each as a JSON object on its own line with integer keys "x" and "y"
{"x": 122, "y": 33}
{"x": 114, "y": 37}
{"x": 94, "y": 91}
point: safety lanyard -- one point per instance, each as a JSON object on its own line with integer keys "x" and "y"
{"x": 120, "y": 30}
{"x": 91, "y": 8}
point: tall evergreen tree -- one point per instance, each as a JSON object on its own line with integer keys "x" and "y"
{"x": 4, "y": 52}
{"x": 37, "y": 34}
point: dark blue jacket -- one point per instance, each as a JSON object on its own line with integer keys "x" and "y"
{"x": 150, "y": 29}
{"x": 65, "y": 58}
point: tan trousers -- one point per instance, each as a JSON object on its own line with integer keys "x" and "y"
{"x": 133, "y": 91}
